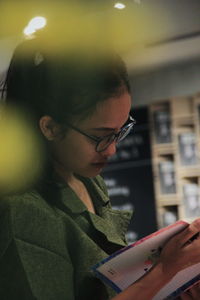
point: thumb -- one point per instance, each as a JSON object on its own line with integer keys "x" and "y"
{"x": 189, "y": 232}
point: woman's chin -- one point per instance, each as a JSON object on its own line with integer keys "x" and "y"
{"x": 91, "y": 172}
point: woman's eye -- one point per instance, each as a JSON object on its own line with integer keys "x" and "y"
{"x": 102, "y": 136}
{"x": 97, "y": 137}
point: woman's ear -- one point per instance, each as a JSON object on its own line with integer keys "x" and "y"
{"x": 49, "y": 127}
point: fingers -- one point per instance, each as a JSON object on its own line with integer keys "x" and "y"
{"x": 191, "y": 294}
{"x": 186, "y": 296}
{"x": 195, "y": 292}
{"x": 195, "y": 225}
{"x": 182, "y": 251}
{"x": 184, "y": 236}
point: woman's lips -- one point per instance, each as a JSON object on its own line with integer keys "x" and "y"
{"x": 99, "y": 164}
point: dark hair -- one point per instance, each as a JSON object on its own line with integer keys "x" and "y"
{"x": 65, "y": 87}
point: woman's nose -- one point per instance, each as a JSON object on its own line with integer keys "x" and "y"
{"x": 110, "y": 151}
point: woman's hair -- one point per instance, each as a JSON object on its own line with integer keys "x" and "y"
{"x": 65, "y": 87}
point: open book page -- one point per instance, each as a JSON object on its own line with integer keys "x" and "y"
{"x": 127, "y": 265}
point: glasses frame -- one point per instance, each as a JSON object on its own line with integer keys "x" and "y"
{"x": 131, "y": 122}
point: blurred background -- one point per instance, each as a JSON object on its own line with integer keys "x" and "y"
{"x": 156, "y": 172}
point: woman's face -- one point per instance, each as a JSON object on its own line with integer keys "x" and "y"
{"x": 75, "y": 153}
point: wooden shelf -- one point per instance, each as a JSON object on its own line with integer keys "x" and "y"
{"x": 175, "y": 144}
{"x": 168, "y": 200}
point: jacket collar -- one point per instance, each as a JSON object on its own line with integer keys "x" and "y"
{"x": 111, "y": 223}
{"x": 72, "y": 202}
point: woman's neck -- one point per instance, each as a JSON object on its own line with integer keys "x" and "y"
{"x": 66, "y": 175}
{"x": 76, "y": 185}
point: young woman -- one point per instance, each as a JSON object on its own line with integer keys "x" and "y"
{"x": 55, "y": 231}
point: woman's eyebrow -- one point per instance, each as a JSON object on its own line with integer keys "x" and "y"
{"x": 103, "y": 129}
{"x": 106, "y": 128}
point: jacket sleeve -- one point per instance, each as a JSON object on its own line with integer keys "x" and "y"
{"x": 13, "y": 280}
{"x": 33, "y": 264}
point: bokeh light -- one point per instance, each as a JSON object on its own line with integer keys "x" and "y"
{"x": 21, "y": 155}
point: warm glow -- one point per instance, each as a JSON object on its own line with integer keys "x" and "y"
{"x": 76, "y": 25}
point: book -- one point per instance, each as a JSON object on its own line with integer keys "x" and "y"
{"x": 127, "y": 265}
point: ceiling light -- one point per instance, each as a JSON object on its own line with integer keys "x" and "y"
{"x": 35, "y": 24}
{"x": 119, "y": 5}
{"x": 28, "y": 31}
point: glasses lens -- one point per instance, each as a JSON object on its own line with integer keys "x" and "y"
{"x": 124, "y": 132}
{"x": 104, "y": 143}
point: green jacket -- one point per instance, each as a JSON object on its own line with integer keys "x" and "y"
{"x": 48, "y": 245}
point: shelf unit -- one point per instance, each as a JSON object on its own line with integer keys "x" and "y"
{"x": 175, "y": 144}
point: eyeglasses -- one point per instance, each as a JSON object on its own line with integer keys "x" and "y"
{"x": 102, "y": 143}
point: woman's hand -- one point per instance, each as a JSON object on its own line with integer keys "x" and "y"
{"x": 191, "y": 294}
{"x": 177, "y": 254}
{"x": 180, "y": 252}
